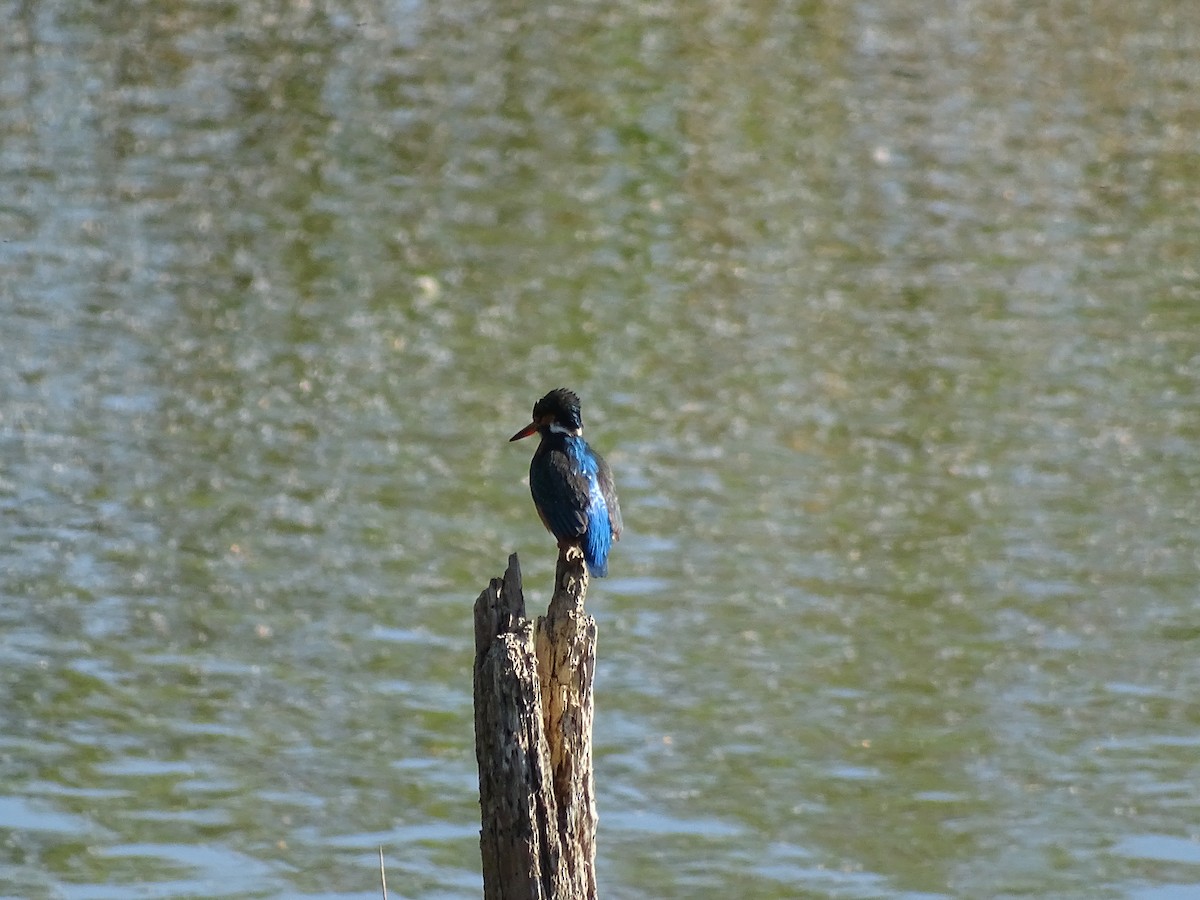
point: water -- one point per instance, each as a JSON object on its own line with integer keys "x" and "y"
{"x": 887, "y": 318}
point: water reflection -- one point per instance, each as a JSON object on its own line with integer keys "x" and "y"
{"x": 884, "y": 321}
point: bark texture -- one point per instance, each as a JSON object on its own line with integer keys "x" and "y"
{"x": 533, "y": 738}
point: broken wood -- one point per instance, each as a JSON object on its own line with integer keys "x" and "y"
{"x": 533, "y": 738}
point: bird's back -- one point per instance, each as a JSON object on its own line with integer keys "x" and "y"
{"x": 573, "y": 490}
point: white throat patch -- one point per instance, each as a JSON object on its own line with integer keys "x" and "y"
{"x": 555, "y": 428}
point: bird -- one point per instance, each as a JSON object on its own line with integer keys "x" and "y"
{"x": 572, "y": 485}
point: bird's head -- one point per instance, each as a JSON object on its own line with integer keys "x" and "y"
{"x": 557, "y": 412}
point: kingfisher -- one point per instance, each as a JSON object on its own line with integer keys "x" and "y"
{"x": 572, "y": 485}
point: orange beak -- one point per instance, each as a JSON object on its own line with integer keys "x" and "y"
{"x": 524, "y": 432}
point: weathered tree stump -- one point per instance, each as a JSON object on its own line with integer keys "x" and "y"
{"x": 533, "y": 738}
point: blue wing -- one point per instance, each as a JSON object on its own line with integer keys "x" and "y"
{"x": 603, "y": 512}
{"x": 573, "y": 491}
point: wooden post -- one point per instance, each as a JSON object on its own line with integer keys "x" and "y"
{"x": 566, "y": 657}
{"x": 533, "y": 738}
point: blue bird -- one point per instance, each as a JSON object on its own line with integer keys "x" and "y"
{"x": 571, "y": 483}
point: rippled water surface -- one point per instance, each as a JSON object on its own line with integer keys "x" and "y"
{"x": 887, "y": 316}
